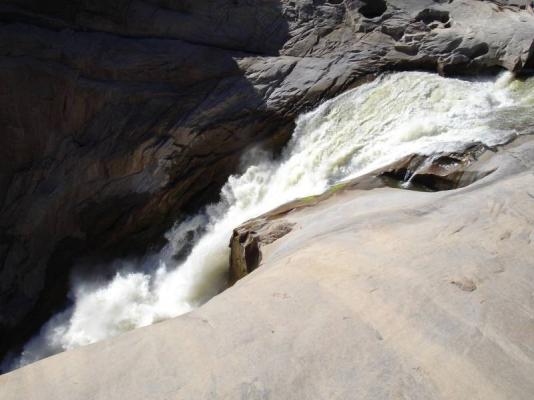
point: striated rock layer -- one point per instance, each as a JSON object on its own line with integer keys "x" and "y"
{"x": 374, "y": 293}
{"x": 118, "y": 118}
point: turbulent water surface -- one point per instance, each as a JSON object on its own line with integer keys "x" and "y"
{"x": 361, "y": 130}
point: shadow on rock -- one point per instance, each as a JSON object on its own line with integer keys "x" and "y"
{"x": 117, "y": 119}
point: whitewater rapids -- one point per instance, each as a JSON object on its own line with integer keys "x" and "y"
{"x": 361, "y": 130}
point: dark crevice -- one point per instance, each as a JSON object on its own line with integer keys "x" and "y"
{"x": 430, "y": 15}
{"x": 479, "y": 50}
{"x": 529, "y": 63}
{"x": 373, "y": 8}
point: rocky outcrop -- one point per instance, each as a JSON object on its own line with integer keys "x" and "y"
{"x": 119, "y": 118}
{"x": 373, "y": 294}
{"x": 443, "y": 171}
{"x": 246, "y": 242}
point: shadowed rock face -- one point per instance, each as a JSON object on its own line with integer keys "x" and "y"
{"x": 119, "y": 118}
{"x": 108, "y": 139}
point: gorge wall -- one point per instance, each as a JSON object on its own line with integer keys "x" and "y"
{"x": 120, "y": 118}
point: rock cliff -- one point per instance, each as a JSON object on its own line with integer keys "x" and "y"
{"x": 119, "y": 118}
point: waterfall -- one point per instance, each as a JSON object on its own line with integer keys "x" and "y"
{"x": 363, "y": 129}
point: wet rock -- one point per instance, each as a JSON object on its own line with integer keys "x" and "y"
{"x": 444, "y": 171}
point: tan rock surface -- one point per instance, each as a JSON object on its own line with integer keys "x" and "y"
{"x": 374, "y": 294}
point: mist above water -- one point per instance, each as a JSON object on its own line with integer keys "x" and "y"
{"x": 361, "y": 130}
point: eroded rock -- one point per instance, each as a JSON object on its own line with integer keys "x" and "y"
{"x": 444, "y": 171}
{"x": 246, "y": 243}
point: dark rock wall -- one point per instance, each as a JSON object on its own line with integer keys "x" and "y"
{"x": 113, "y": 125}
{"x": 118, "y": 117}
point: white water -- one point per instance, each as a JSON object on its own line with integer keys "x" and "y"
{"x": 361, "y": 130}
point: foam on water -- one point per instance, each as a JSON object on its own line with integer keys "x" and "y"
{"x": 359, "y": 131}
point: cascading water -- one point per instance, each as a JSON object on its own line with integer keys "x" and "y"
{"x": 368, "y": 127}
